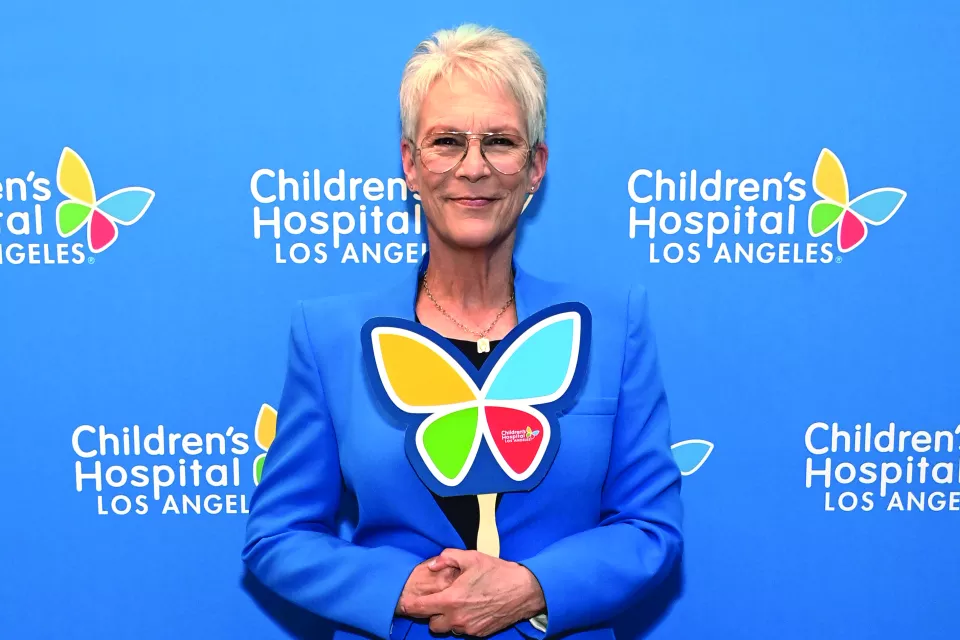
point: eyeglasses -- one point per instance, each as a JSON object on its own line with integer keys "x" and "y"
{"x": 442, "y": 151}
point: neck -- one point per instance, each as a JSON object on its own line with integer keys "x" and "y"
{"x": 471, "y": 280}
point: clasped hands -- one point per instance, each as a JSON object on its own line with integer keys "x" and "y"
{"x": 471, "y": 593}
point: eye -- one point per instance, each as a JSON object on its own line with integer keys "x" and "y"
{"x": 445, "y": 141}
{"x": 501, "y": 141}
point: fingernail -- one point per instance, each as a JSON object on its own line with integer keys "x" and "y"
{"x": 433, "y": 563}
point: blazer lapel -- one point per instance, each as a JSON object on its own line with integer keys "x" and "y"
{"x": 532, "y": 293}
{"x": 400, "y": 300}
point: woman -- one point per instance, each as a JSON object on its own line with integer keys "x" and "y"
{"x": 602, "y": 527}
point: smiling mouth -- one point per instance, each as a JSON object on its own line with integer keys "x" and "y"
{"x": 474, "y": 202}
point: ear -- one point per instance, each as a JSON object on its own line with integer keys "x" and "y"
{"x": 538, "y": 166}
{"x": 408, "y": 155}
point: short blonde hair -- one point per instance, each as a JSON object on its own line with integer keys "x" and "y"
{"x": 486, "y": 54}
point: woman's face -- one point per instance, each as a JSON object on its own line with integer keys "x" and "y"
{"x": 472, "y": 205}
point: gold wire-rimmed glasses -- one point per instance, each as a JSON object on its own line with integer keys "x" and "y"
{"x": 441, "y": 151}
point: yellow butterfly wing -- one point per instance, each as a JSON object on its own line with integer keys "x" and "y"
{"x": 418, "y": 375}
{"x": 266, "y": 429}
{"x": 264, "y": 433}
{"x": 829, "y": 179}
{"x": 73, "y": 178}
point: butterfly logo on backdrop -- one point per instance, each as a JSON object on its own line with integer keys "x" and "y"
{"x": 264, "y": 433}
{"x": 691, "y": 454}
{"x": 850, "y": 216}
{"x": 511, "y": 403}
{"x": 101, "y": 217}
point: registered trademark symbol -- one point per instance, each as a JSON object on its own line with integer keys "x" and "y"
{"x": 91, "y": 260}
{"x": 839, "y": 259}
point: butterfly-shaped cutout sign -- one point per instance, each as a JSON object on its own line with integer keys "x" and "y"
{"x": 450, "y": 409}
{"x": 102, "y": 216}
{"x": 873, "y": 207}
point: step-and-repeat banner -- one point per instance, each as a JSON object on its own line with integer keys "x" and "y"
{"x": 174, "y": 176}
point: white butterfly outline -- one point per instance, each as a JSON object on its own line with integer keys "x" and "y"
{"x": 826, "y": 155}
{"x": 481, "y": 401}
{"x": 69, "y": 153}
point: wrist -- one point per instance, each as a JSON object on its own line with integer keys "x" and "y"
{"x": 534, "y": 603}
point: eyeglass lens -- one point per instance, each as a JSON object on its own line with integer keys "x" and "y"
{"x": 441, "y": 152}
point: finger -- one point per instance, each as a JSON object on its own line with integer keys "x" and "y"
{"x": 438, "y": 581}
{"x": 442, "y": 562}
{"x": 449, "y": 575}
{"x": 427, "y": 605}
{"x": 440, "y": 624}
{"x": 461, "y": 557}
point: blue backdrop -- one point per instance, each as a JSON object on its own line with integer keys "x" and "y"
{"x": 180, "y": 326}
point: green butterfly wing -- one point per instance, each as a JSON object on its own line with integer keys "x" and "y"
{"x": 448, "y": 443}
{"x": 71, "y": 216}
{"x": 823, "y": 215}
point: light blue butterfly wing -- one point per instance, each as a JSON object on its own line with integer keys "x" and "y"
{"x": 691, "y": 454}
{"x": 126, "y": 205}
{"x": 538, "y": 367}
{"x": 879, "y": 205}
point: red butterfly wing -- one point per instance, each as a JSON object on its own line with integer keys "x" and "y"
{"x": 103, "y": 231}
{"x": 517, "y": 437}
{"x": 852, "y": 231}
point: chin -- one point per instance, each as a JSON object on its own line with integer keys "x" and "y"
{"x": 474, "y": 234}
{"x": 472, "y": 229}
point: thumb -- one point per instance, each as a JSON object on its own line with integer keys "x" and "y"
{"x": 459, "y": 558}
{"x": 442, "y": 562}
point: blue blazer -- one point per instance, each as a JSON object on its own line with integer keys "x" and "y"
{"x": 600, "y": 530}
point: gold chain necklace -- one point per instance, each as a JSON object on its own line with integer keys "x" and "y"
{"x": 483, "y": 343}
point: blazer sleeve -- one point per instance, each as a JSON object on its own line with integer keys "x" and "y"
{"x": 292, "y": 545}
{"x": 590, "y": 577}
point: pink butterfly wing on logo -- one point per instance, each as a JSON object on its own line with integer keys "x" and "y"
{"x": 101, "y": 232}
{"x": 852, "y": 231}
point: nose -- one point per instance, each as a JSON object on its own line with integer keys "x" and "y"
{"x": 473, "y": 167}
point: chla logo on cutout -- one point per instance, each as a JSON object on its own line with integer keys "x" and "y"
{"x": 23, "y": 224}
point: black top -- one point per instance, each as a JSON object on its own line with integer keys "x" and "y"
{"x": 463, "y": 512}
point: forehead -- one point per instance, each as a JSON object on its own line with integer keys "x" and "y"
{"x": 461, "y": 103}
